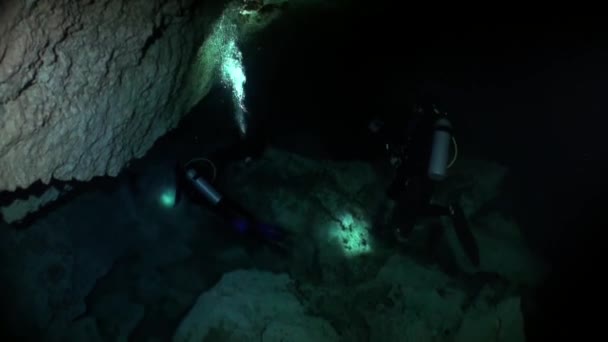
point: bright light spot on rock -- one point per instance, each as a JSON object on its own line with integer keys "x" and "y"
{"x": 167, "y": 198}
{"x": 233, "y": 77}
{"x": 220, "y": 56}
{"x": 352, "y": 235}
{"x": 247, "y": 12}
{"x": 239, "y": 116}
{"x": 232, "y": 70}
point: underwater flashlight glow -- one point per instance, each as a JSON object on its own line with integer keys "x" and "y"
{"x": 352, "y": 235}
{"x": 167, "y": 198}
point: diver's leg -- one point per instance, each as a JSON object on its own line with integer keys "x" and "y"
{"x": 464, "y": 233}
{"x": 404, "y": 218}
{"x": 405, "y": 228}
{"x": 381, "y": 218}
{"x": 435, "y": 210}
{"x": 461, "y": 227}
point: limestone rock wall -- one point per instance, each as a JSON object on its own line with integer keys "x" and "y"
{"x": 85, "y": 86}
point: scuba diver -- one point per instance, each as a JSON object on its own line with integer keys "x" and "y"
{"x": 420, "y": 157}
{"x": 195, "y": 179}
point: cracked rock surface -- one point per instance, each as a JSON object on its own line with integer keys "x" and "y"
{"x": 380, "y": 295}
{"x": 86, "y": 86}
{"x": 252, "y": 305}
{"x": 49, "y": 269}
{"x": 81, "y": 274}
{"x": 331, "y": 201}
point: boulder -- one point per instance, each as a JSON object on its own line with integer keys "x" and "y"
{"x": 252, "y": 305}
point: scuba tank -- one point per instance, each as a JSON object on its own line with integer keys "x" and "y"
{"x": 203, "y": 187}
{"x": 238, "y": 219}
{"x": 440, "y": 149}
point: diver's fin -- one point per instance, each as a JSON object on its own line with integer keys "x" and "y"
{"x": 464, "y": 234}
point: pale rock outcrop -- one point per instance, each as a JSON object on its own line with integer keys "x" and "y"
{"x": 252, "y": 305}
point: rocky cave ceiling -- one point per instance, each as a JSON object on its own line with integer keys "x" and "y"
{"x": 88, "y": 86}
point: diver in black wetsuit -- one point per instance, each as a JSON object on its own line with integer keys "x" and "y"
{"x": 196, "y": 178}
{"x": 420, "y": 156}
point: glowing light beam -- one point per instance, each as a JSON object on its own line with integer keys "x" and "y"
{"x": 233, "y": 77}
{"x": 167, "y": 198}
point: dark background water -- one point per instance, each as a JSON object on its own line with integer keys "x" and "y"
{"x": 523, "y": 91}
{"x": 526, "y": 92}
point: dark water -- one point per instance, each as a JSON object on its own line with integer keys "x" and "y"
{"x": 527, "y": 94}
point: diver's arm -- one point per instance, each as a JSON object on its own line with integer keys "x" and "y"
{"x": 236, "y": 216}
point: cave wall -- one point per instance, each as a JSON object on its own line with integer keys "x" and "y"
{"x": 86, "y": 86}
